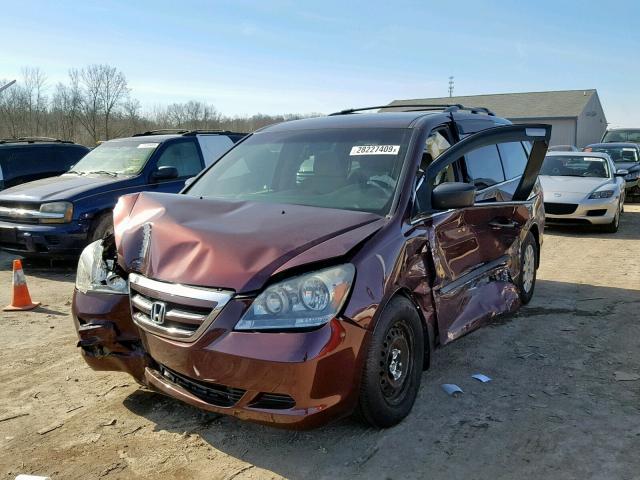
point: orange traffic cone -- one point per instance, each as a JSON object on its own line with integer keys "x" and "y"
{"x": 21, "y": 298}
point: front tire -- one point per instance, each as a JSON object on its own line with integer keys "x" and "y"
{"x": 393, "y": 366}
{"x": 528, "y": 272}
{"x": 102, "y": 227}
{"x": 615, "y": 223}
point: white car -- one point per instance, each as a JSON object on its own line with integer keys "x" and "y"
{"x": 582, "y": 188}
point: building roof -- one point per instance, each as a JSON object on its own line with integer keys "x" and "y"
{"x": 562, "y": 103}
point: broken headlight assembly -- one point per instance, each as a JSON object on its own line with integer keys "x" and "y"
{"x": 305, "y": 301}
{"x": 96, "y": 272}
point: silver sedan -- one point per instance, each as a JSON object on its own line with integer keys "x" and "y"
{"x": 582, "y": 188}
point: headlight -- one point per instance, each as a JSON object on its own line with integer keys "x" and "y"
{"x": 308, "y": 300}
{"x": 94, "y": 275}
{"x": 602, "y": 194}
{"x": 632, "y": 176}
{"x": 56, "y": 212}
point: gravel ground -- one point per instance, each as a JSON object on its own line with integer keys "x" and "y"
{"x": 558, "y": 406}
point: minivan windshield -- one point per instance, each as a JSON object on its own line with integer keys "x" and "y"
{"x": 575, "y": 166}
{"x": 632, "y": 135}
{"x": 117, "y": 157}
{"x": 349, "y": 169}
{"x": 618, "y": 154}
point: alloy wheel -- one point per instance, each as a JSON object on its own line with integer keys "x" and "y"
{"x": 528, "y": 268}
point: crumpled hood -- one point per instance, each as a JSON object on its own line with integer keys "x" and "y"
{"x": 570, "y": 188}
{"x": 233, "y": 245}
{"x": 64, "y": 187}
{"x": 629, "y": 166}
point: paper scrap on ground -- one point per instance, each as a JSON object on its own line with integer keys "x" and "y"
{"x": 626, "y": 377}
{"x": 481, "y": 377}
{"x": 452, "y": 390}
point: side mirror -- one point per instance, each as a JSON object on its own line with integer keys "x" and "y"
{"x": 189, "y": 181}
{"x": 453, "y": 195}
{"x": 164, "y": 173}
{"x": 622, "y": 173}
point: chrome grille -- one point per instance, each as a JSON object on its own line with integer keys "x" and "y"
{"x": 172, "y": 310}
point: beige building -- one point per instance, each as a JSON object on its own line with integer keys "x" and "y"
{"x": 576, "y": 116}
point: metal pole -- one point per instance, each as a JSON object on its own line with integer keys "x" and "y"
{"x": 7, "y": 85}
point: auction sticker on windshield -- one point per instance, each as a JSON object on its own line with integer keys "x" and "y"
{"x": 148, "y": 145}
{"x": 375, "y": 150}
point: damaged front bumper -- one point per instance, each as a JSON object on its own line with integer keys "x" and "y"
{"x": 293, "y": 380}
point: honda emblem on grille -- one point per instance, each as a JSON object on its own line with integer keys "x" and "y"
{"x": 158, "y": 311}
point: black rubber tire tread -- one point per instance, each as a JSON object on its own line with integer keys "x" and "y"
{"x": 102, "y": 226}
{"x": 372, "y": 406}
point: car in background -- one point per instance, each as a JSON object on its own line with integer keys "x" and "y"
{"x": 58, "y": 216}
{"x": 621, "y": 135}
{"x": 31, "y": 158}
{"x": 582, "y": 188}
{"x": 625, "y": 156}
{"x": 563, "y": 148}
{"x": 311, "y": 271}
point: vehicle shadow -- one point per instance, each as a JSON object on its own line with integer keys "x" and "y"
{"x": 39, "y": 267}
{"x": 551, "y": 365}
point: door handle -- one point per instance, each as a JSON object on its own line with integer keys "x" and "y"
{"x": 503, "y": 223}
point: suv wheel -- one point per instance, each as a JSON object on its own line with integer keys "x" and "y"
{"x": 528, "y": 261}
{"x": 393, "y": 366}
{"x": 102, "y": 227}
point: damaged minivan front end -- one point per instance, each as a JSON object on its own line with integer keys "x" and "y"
{"x": 313, "y": 269}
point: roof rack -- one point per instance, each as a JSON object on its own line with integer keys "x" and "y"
{"x": 420, "y": 107}
{"x": 34, "y": 140}
{"x": 185, "y": 132}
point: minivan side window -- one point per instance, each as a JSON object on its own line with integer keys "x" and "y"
{"x": 484, "y": 168}
{"x": 182, "y": 155}
{"x": 514, "y": 159}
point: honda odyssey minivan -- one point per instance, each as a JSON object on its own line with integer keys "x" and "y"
{"x": 313, "y": 270}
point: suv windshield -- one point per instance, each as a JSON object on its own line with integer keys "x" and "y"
{"x": 622, "y": 136}
{"x": 350, "y": 169}
{"x": 126, "y": 157}
{"x": 578, "y": 166}
{"x": 619, "y": 154}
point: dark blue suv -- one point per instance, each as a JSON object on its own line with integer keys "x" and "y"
{"x": 58, "y": 216}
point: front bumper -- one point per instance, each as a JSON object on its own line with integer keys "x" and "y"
{"x": 589, "y": 212}
{"x": 293, "y": 380}
{"x": 63, "y": 240}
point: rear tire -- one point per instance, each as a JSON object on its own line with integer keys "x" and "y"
{"x": 102, "y": 227}
{"x": 528, "y": 271}
{"x": 393, "y": 366}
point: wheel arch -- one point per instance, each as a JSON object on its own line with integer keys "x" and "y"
{"x": 429, "y": 329}
{"x": 535, "y": 231}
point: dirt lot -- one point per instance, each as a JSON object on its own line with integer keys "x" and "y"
{"x": 557, "y": 407}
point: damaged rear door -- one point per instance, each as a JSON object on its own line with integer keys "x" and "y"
{"x": 472, "y": 250}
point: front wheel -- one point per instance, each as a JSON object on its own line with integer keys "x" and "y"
{"x": 615, "y": 223}
{"x": 103, "y": 226}
{"x": 528, "y": 261}
{"x": 393, "y": 366}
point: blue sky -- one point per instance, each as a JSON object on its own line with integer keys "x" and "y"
{"x": 294, "y": 57}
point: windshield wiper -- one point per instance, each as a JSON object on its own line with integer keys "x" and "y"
{"x": 75, "y": 171}
{"x": 104, "y": 172}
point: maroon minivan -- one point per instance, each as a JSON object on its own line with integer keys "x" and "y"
{"x": 314, "y": 268}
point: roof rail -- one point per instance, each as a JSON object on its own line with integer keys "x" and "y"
{"x": 185, "y": 132}
{"x": 34, "y": 140}
{"x": 162, "y": 131}
{"x": 419, "y": 107}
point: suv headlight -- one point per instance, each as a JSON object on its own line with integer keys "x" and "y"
{"x": 305, "y": 301}
{"x": 602, "y": 194}
{"x": 56, "y": 212}
{"x": 94, "y": 275}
